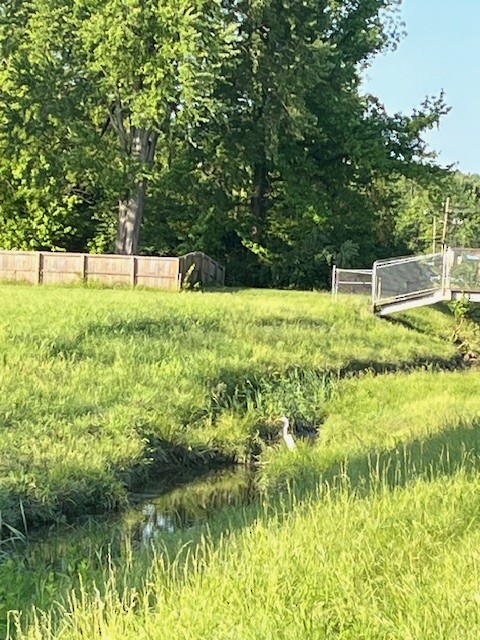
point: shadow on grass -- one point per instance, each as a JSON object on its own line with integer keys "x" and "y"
{"x": 77, "y": 347}
{"x": 85, "y": 561}
{"x": 414, "y": 323}
{"x": 243, "y": 386}
{"x": 442, "y": 454}
{"x": 421, "y": 325}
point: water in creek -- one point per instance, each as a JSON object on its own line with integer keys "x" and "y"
{"x": 161, "y": 509}
{"x": 57, "y": 559}
{"x": 155, "y": 512}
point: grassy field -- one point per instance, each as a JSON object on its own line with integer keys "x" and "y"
{"x": 102, "y": 387}
{"x": 393, "y": 564}
{"x": 376, "y": 533}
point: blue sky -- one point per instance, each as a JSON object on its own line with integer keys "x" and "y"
{"x": 440, "y": 51}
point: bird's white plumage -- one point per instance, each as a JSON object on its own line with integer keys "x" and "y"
{"x": 287, "y": 436}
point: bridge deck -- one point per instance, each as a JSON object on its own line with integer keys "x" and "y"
{"x": 405, "y": 283}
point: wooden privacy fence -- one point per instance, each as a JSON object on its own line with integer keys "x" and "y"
{"x": 198, "y": 267}
{"x": 43, "y": 267}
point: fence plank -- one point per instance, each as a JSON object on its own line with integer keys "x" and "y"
{"x": 23, "y": 268}
{"x": 110, "y": 269}
{"x": 61, "y": 268}
{"x": 151, "y": 272}
{"x": 205, "y": 270}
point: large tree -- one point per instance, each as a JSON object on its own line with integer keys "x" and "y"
{"x": 156, "y": 64}
{"x": 244, "y": 118}
{"x": 140, "y": 69}
{"x": 292, "y": 172}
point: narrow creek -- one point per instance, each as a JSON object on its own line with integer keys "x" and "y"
{"x": 162, "y": 507}
{"x": 158, "y": 510}
{"x": 49, "y": 563}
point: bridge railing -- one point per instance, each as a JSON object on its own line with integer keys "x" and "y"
{"x": 409, "y": 277}
{"x": 463, "y": 270}
{"x": 351, "y": 281}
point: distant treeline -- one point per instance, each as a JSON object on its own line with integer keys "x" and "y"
{"x": 234, "y": 127}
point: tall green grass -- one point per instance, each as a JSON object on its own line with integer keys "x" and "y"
{"x": 375, "y": 533}
{"x": 396, "y": 564}
{"x": 383, "y": 417}
{"x": 101, "y": 388}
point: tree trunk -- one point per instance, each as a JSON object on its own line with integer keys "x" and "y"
{"x": 130, "y": 215}
{"x": 131, "y": 207}
{"x": 258, "y": 202}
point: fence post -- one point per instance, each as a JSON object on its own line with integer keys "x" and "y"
{"x": 334, "y": 277}
{"x": 84, "y": 267}
{"x": 180, "y": 270}
{"x": 40, "y": 268}
{"x": 374, "y": 286}
{"x": 202, "y": 268}
{"x": 448, "y": 262}
{"x": 134, "y": 271}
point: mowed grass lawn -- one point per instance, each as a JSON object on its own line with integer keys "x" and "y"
{"x": 376, "y": 534}
{"x": 100, "y": 387}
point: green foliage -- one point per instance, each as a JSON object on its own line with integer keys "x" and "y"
{"x": 307, "y": 147}
{"x": 460, "y": 308}
{"x": 88, "y": 86}
{"x": 420, "y": 210}
{"x": 245, "y": 120}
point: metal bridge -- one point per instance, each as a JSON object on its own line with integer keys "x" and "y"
{"x": 399, "y": 284}
{"x": 351, "y": 280}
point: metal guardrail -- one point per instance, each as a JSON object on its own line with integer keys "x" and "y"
{"x": 397, "y": 284}
{"x": 351, "y": 281}
{"x": 426, "y": 279}
{"x": 410, "y": 277}
{"x": 463, "y": 270}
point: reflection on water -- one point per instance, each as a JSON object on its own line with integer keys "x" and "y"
{"x": 156, "y": 524}
{"x": 157, "y": 513}
{"x": 57, "y": 559}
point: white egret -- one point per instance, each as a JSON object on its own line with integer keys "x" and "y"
{"x": 287, "y": 436}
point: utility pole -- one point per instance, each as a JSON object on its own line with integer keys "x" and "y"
{"x": 445, "y": 224}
